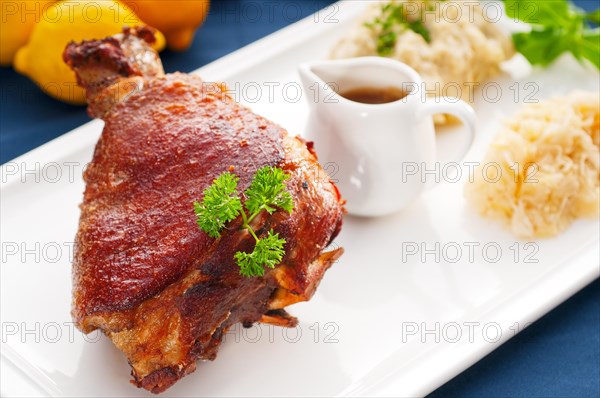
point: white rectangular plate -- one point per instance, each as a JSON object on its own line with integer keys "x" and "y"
{"x": 380, "y": 324}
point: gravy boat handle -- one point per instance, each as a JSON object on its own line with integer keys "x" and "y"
{"x": 456, "y": 107}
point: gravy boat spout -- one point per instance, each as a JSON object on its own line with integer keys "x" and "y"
{"x": 323, "y": 81}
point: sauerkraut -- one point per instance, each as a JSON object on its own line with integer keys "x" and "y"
{"x": 466, "y": 45}
{"x": 548, "y": 160}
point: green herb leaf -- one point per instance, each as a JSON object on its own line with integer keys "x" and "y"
{"x": 589, "y": 47}
{"x": 393, "y": 21}
{"x": 556, "y": 27}
{"x": 267, "y": 192}
{"x": 593, "y": 17}
{"x": 418, "y": 27}
{"x": 538, "y": 12}
{"x": 220, "y": 205}
{"x": 540, "y": 47}
{"x": 268, "y": 252}
{"x": 386, "y": 42}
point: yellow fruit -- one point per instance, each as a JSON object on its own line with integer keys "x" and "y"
{"x": 176, "y": 19}
{"x": 17, "y": 19}
{"x": 41, "y": 59}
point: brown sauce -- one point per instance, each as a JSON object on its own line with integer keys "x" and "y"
{"x": 374, "y": 95}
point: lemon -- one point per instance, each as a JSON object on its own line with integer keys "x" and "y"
{"x": 17, "y": 20}
{"x": 65, "y": 21}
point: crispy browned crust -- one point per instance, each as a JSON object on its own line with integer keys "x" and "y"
{"x": 144, "y": 273}
{"x": 112, "y": 68}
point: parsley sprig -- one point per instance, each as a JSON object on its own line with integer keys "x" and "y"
{"x": 222, "y": 204}
{"x": 557, "y": 26}
{"x": 393, "y": 21}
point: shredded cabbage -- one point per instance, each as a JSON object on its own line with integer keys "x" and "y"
{"x": 550, "y": 160}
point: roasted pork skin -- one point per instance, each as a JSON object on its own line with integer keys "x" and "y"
{"x": 143, "y": 272}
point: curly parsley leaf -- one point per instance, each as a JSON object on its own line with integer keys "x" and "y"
{"x": 222, "y": 204}
{"x": 268, "y": 252}
{"x": 267, "y": 192}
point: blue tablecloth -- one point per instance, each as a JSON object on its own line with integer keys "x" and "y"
{"x": 558, "y": 356}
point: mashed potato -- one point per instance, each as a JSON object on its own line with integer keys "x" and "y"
{"x": 464, "y": 48}
{"x": 549, "y": 159}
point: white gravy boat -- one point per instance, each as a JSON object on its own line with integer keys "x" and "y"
{"x": 369, "y": 145}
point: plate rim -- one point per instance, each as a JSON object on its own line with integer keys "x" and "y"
{"x": 587, "y": 260}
